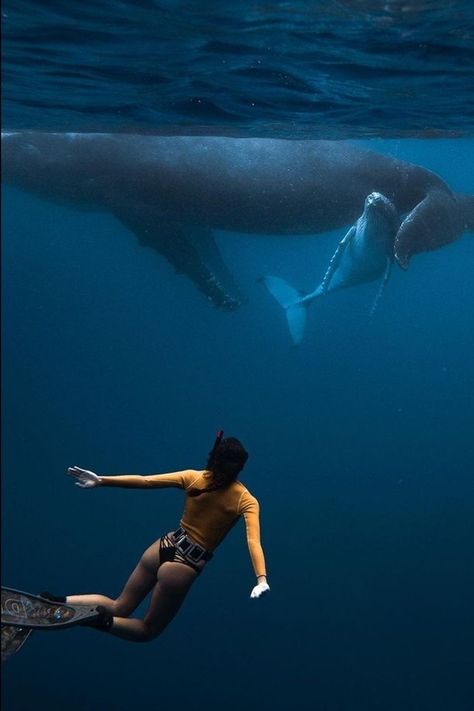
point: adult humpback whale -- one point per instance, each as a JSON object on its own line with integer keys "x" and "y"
{"x": 172, "y": 191}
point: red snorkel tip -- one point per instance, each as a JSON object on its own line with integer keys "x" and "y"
{"x": 218, "y": 439}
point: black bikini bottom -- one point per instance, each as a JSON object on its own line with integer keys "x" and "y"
{"x": 169, "y": 553}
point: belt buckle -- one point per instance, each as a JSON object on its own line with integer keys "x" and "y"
{"x": 183, "y": 545}
{"x": 189, "y": 549}
{"x": 179, "y": 536}
{"x": 193, "y": 548}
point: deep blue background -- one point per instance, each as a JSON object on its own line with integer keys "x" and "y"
{"x": 361, "y": 445}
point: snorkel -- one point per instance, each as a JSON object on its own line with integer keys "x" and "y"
{"x": 212, "y": 453}
{"x": 219, "y": 436}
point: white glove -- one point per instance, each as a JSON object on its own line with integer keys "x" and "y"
{"x": 85, "y": 478}
{"x": 259, "y": 590}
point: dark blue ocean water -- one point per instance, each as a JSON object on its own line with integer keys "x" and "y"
{"x": 314, "y": 68}
{"x": 361, "y": 440}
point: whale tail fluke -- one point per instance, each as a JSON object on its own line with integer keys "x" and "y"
{"x": 291, "y": 300}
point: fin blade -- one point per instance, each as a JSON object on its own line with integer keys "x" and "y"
{"x": 23, "y": 610}
{"x": 13, "y": 638}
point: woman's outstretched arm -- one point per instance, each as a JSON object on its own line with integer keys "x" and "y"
{"x": 87, "y": 479}
{"x": 250, "y": 510}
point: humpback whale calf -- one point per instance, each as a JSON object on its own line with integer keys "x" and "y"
{"x": 173, "y": 191}
{"x": 363, "y": 255}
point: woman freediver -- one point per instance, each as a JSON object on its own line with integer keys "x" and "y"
{"x": 168, "y": 568}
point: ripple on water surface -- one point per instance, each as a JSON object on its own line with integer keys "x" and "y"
{"x": 332, "y": 68}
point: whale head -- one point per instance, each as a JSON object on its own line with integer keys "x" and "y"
{"x": 379, "y": 223}
{"x": 433, "y": 223}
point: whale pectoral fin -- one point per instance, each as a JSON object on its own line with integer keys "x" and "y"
{"x": 381, "y": 289}
{"x": 434, "y": 222}
{"x": 336, "y": 259}
{"x": 184, "y": 253}
{"x": 205, "y": 245}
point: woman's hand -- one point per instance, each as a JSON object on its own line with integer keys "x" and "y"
{"x": 85, "y": 478}
{"x": 261, "y": 588}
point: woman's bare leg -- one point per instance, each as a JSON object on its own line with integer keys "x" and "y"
{"x": 170, "y": 583}
{"x": 174, "y": 581}
{"x": 137, "y": 587}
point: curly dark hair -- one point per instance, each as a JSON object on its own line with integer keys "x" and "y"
{"x": 225, "y": 461}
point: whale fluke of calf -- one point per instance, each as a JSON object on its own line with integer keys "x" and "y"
{"x": 174, "y": 192}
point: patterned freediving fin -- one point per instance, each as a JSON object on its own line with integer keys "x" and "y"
{"x": 13, "y": 638}
{"x": 23, "y": 610}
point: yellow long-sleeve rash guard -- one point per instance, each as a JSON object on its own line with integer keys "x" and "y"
{"x": 209, "y": 517}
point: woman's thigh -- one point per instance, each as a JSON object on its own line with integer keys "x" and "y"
{"x": 172, "y": 586}
{"x": 141, "y": 581}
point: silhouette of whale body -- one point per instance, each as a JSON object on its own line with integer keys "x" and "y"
{"x": 173, "y": 191}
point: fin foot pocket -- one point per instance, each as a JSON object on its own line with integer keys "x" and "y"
{"x": 102, "y": 619}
